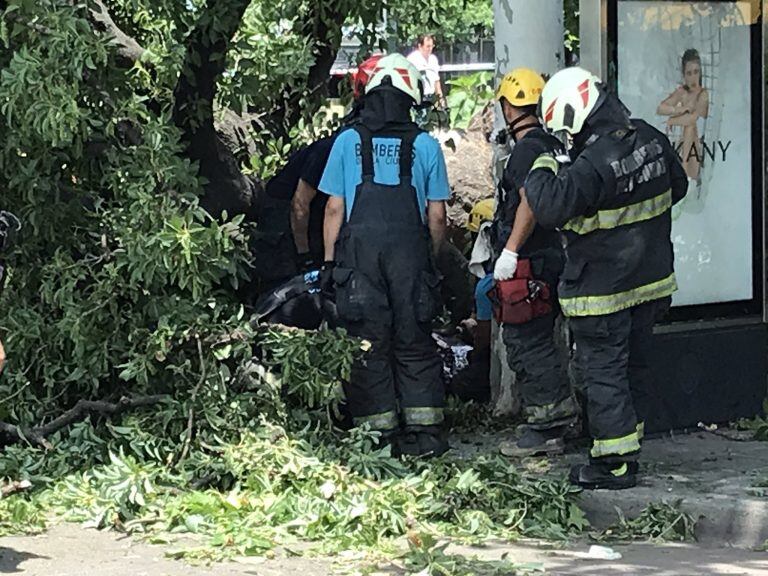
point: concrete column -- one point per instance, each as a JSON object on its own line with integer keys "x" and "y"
{"x": 593, "y": 32}
{"x": 528, "y": 33}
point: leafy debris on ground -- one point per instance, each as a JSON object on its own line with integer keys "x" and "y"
{"x": 758, "y": 425}
{"x": 659, "y": 521}
{"x": 288, "y": 479}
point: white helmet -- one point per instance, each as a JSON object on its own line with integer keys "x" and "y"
{"x": 568, "y": 99}
{"x": 402, "y": 75}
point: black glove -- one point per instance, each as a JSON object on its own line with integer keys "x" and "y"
{"x": 326, "y": 279}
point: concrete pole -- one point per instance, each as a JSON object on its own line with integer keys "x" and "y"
{"x": 593, "y": 30}
{"x": 528, "y": 33}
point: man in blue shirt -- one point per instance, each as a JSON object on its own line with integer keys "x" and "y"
{"x": 384, "y": 221}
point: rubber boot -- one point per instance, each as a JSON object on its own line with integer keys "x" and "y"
{"x": 533, "y": 442}
{"x": 604, "y": 476}
{"x": 422, "y": 441}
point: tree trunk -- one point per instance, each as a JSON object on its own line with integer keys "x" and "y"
{"x": 226, "y": 187}
{"x": 323, "y": 24}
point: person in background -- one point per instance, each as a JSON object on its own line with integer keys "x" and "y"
{"x": 384, "y": 223}
{"x": 429, "y": 67}
{"x": 473, "y": 381}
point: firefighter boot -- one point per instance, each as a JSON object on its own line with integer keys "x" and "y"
{"x": 422, "y": 441}
{"x": 604, "y": 476}
{"x": 534, "y": 442}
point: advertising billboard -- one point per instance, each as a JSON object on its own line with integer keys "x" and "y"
{"x": 685, "y": 67}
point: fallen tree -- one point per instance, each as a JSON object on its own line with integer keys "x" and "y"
{"x": 136, "y": 207}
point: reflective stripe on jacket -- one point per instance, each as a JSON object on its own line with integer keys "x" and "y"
{"x": 613, "y": 207}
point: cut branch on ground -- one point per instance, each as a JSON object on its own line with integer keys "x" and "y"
{"x": 37, "y": 435}
{"x": 191, "y": 418}
{"x": 14, "y": 487}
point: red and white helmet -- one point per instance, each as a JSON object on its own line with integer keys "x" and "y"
{"x": 363, "y": 74}
{"x": 402, "y": 75}
{"x": 568, "y": 99}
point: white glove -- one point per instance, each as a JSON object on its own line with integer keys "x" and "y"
{"x": 505, "y": 265}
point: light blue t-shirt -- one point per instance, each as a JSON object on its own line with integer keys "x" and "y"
{"x": 344, "y": 172}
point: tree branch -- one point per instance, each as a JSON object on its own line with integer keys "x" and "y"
{"x": 323, "y": 24}
{"x": 38, "y": 434}
{"x": 13, "y": 17}
{"x": 126, "y": 46}
{"x": 14, "y": 487}
{"x": 191, "y": 418}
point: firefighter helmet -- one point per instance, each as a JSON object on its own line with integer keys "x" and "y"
{"x": 568, "y": 99}
{"x": 363, "y": 74}
{"x": 402, "y": 75}
{"x": 521, "y": 87}
{"x": 481, "y": 212}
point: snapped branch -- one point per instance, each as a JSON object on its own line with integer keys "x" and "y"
{"x": 37, "y": 435}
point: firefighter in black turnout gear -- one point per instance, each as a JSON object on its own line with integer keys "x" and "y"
{"x": 520, "y": 247}
{"x": 289, "y": 235}
{"x": 613, "y": 206}
{"x": 387, "y": 184}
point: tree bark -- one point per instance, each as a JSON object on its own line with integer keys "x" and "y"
{"x": 324, "y": 25}
{"x": 226, "y": 188}
{"x": 126, "y": 46}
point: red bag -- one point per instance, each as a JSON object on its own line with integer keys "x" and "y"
{"x": 522, "y": 298}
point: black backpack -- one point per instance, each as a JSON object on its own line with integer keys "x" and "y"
{"x": 298, "y": 302}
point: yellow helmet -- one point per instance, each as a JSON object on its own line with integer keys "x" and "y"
{"x": 521, "y": 87}
{"x": 481, "y": 212}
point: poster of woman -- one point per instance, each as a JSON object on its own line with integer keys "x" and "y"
{"x": 685, "y": 68}
{"x": 685, "y": 107}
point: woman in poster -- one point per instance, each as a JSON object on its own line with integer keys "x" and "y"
{"x": 684, "y": 107}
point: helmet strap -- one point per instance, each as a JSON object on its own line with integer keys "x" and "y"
{"x": 520, "y": 124}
